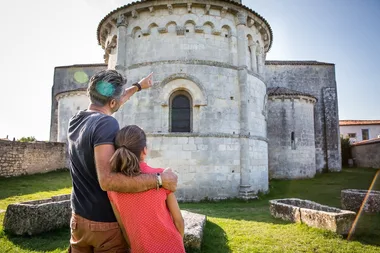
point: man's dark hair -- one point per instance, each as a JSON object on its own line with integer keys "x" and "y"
{"x": 105, "y": 86}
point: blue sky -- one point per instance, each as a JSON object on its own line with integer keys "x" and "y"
{"x": 41, "y": 34}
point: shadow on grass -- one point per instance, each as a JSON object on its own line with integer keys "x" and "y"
{"x": 29, "y": 184}
{"x": 49, "y": 241}
{"x": 367, "y": 230}
{"x": 214, "y": 239}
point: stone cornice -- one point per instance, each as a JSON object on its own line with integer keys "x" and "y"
{"x": 72, "y": 93}
{"x": 196, "y": 62}
{"x": 83, "y": 65}
{"x": 298, "y": 63}
{"x": 307, "y": 99}
{"x": 130, "y": 10}
{"x": 209, "y": 135}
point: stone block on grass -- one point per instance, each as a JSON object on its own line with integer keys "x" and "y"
{"x": 313, "y": 214}
{"x": 194, "y": 226}
{"x": 38, "y": 216}
{"x": 353, "y": 199}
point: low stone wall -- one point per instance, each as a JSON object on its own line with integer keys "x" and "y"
{"x": 352, "y": 199}
{"x": 39, "y": 216}
{"x": 367, "y": 153}
{"x": 20, "y": 158}
{"x": 312, "y": 214}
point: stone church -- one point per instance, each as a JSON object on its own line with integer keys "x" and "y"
{"x": 220, "y": 115}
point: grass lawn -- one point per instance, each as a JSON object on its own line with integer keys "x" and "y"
{"x": 232, "y": 226}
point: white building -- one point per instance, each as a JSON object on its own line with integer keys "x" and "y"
{"x": 359, "y": 130}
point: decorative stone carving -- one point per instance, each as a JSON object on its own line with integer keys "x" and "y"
{"x": 151, "y": 10}
{"x": 145, "y": 32}
{"x": 180, "y": 30}
{"x": 162, "y": 30}
{"x": 207, "y": 9}
{"x": 189, "y": 8}
{"x": 199, "y": 29}
{"x": 250, "y": 22}
{"x": 216, "y": 31}
{"x": 223, "y": 12}
{"x": 121, "y": 21}
{"x": 170, "y": 8}
{"x": 110, "y": 45}
{"x": 265, "y": 37}
{"x": 242, "y": 18}
{"x": 135, "y": 14}
{"x": 252, "y": 45}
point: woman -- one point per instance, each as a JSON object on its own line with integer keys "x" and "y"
{"x": 152, "y": 220}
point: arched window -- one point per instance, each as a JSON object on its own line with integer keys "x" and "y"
{"x": 180, "y": 112}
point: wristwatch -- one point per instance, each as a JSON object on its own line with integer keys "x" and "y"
{"x": 138, "y": 86}
{"x": 159, "y": 180}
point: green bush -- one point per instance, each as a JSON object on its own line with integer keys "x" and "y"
{"x": 27, "y": 139}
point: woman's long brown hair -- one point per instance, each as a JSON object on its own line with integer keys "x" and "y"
{"x": 130, "y": 141}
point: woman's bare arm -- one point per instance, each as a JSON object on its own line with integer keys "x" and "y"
{"x": 118, "y": 218}
{"x": 172, "y": 204}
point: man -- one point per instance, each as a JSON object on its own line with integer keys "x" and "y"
{"x": 91, "y": 135}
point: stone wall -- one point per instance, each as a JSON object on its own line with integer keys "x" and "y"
{"x": 291, "y": 137}
{"x": 318, "y": 80}
{"x": 367, "y": 153}
{"x": 20, "y": 158}
{"x": 208, "y": 165}
{"x": 68, "y": 79}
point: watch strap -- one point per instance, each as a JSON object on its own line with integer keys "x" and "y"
{"x": 137, "y": 85}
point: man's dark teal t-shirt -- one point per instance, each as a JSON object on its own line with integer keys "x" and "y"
{"x": 88, "y": 129}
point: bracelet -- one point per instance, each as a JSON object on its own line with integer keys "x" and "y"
{"x": 159, "y": 180}
{"x": 138, "y": 86}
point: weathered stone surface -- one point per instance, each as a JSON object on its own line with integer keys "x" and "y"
{"x": 194, "y": 225}
{"x": 367, "y": 153}
{"x": 318, "y": 80}
{"x": 352, "y": 199}
{"x": 38, "y": 216}
{"x": 312, "y": 214}
{"x": 20, "y": 158}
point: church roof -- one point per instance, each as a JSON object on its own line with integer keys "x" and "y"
{"x": 275, "y": 91}
{"x": 297, "y": 63}
{"x": 358, "y": 122}
{"x": 154, "y": 1}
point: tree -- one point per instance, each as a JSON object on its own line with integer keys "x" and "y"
{"x": 27, "y": 139}
{"x": 346, "y": 150}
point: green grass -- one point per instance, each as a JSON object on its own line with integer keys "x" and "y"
{"x": 232, "y": 226}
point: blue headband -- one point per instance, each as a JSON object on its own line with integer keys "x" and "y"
{"x": 105, "y": 88}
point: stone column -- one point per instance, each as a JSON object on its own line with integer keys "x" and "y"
{"x": 260, "y": 59}
{"x": 330, "y": 103}
{"x": 245, "y": 190}
{"x": 121, "y": 50}
{"x": 252, "y": 47}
